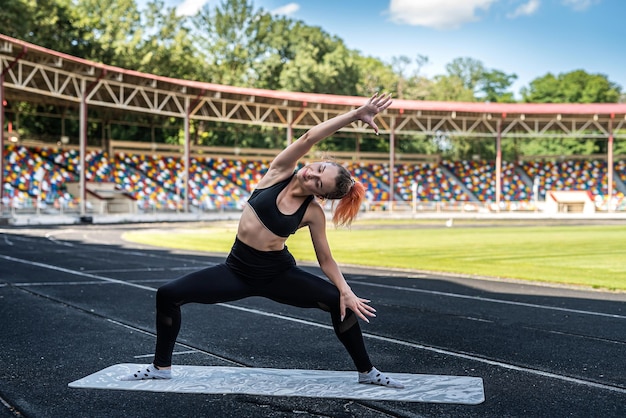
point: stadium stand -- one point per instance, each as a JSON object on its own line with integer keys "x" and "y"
{"x": 40, "y": 177}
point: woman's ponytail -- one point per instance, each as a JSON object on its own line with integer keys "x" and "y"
{"x": 348, "y": 207}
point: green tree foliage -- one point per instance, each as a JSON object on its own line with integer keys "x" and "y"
{"x": 16, "y": 19}
{"x": 232, "y": 42}
{"x": 619, "y": 147}
{"x": 249, "y": 47}
{"x": 558, "y": 147}
{"x": 48, "y": 23}
{"x": 448, "y": 88}
{"x": 409, "y": 84}
{"x": 493, "y": 86}
{"x": 278, "y": 52}
{"x": 320, "y": 64}
{"x": 375, "y": 76}
{"x": 231, "y": 37}
{"x": 573, "y": 87}
{"x": 468, "y": 70}
{"x": 486, "y": 85}
{"x": 166, "y": 47}
{"x": 111, "y": 28}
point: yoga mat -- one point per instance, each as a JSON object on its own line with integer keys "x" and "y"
{"x": 292, "y": 382}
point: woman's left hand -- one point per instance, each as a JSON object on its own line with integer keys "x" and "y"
{"x": 374, "y": 106}
{"x": 358, "y": 305}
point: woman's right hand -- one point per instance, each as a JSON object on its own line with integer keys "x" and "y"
{"x": 358, "y": 305}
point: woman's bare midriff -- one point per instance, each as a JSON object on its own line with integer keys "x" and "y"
{"x": 252, "y": 232}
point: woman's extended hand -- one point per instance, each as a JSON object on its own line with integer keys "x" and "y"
{"x": 374, "y": 105}
{"x": 356, "y": 304}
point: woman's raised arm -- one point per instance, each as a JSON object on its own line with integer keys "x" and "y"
{"x": 289, "y": 157}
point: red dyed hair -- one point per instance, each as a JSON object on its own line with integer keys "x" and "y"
{"x": 349, "y": 205}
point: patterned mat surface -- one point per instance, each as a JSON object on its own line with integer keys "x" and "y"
{"x": 292, "y": 382}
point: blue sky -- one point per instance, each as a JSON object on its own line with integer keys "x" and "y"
{"x": 529, "y": 38}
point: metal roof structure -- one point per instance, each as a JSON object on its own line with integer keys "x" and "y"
{"x": 35, "y": 74}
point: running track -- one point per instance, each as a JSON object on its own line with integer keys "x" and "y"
{"x": 77, "y": 299}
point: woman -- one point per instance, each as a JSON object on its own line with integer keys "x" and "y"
{"x": 259, "y": 263}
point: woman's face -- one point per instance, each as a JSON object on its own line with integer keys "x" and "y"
{"x": 320, "y": 179}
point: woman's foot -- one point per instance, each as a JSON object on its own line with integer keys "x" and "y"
{"x": 375, "y": 377}
{"x": 149, "y": 372}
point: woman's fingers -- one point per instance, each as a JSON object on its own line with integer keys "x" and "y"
{"x": 363, "y": 310}
{"x": 359, "y": 306}
{"x": 369, "y": 308}
{"x": 362, "y": 314}
{"x": 375, "y": 105}
{"x": 382, "y": 102}
{"x": 342, "y": 310}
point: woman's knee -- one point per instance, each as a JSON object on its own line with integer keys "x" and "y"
{"x": 166, "y": 294}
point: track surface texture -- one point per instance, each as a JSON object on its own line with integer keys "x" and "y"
{"x": 78, "y": 299}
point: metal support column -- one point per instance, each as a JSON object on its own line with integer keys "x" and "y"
{"x": 186, "y": 155}
{"x": 1, "y": 139}
{"x": 392, "y": 162}
{"x": 609, "y": 162}
{"x": 2, "y": 74}
{"x": 499, "y": 163}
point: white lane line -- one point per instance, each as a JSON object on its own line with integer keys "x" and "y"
{"x": 81, "y": 283}
{"x": 462, "y": 355}
{"x": 191, "y": 349}
{"x": 7, "y": 241}
{"x": 74, "y": 272}
{"x": 367, "y": 335}
{"x": 137, "y": 252}
{"x": 147, "y": 269}
{"x": 483, "y": 299}
{"x": 175, "y": 353}
{"x": 434, "y": 292}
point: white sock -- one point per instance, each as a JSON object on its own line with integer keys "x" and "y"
{"x": 148, "y": 372}
{"x": 375, "y": 377}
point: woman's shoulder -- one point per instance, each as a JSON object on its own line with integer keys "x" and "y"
{"x": 314, "y": 213}
{"x": 273, "y": 177}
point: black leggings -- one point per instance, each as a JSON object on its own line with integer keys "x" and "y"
{"x": 249, "y": 272}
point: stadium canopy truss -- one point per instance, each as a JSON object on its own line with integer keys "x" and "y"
{"x": 34, "y": 74}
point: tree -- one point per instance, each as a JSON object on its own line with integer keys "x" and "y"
{"x": 419, "y": 88}
{"x": 16, "y": 18}
{"x": 248, "y": 47}
{"x": 321, "y": 65}
{"x": 559, "y": 146}
{"x": 166, "y": 46}
{"x": 305, "y": 58}
{"x": 487, "y": 85}
{"x": 232, "y": 38}
{"x": 573, "y": 87}
{"x": 48, "y": 23}
{"x": 470, "y": 71}
{"x": 112, "y": 30}
{"x": 399, "y": 65}
{"x": 375, "y": 76}
{"x": 450, "y": 89}
{"x": 279, "y": 51}
{"x": 493, "y": 84}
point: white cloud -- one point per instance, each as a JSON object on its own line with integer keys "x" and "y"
{"x": 287, "y": 10}
{"x": 580, "y": 5}
{"x": 438, "y": 14}
{"x": 190, "y": 7}
{"x": 526, "y": 9}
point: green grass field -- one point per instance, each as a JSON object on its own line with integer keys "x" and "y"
{"x": 593, "y": 256}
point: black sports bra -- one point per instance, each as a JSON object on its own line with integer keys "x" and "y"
{"x": 263, "y": 202}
